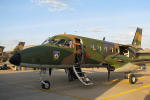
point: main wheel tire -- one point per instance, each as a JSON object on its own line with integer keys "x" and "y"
{"x": 132, "y": 79}
{"x": 45, "y": 85}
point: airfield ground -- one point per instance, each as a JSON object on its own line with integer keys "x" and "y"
{"x": 24, "y": 85}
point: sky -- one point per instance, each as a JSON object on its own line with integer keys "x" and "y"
{"x": 33, "y": 21}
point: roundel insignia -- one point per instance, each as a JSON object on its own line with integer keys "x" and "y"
{"x": 56, "y": 54}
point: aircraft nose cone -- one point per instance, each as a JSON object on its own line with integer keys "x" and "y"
{"x": 15, "y": 59}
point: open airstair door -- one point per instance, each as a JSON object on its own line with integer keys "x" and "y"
{"x": 81, "y": 75}
{"x": 78, "y": 60}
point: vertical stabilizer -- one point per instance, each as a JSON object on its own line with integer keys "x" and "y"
{"x": 137, "y": 38}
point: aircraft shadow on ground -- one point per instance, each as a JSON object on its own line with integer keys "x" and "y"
{"x": 75, "y": 88}
{"x": 60, "y": 84}
{"x": 147, "y": 97}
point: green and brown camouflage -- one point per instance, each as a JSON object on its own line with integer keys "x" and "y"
{"x": 1, "y": 53}
{"x": 93, "y": 52}
{"x": 71, "y": 52}
{"x": 56, "y": 51}
{"x": 117, "y": 60}
{"x": 137, "y": 38}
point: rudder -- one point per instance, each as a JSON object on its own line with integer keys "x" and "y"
{"x": 137, "y": 38}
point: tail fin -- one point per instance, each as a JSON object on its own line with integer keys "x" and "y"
{"x": 137, "y": 38}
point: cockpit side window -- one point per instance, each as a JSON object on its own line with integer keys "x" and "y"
{"x": 50, "y": 41}
{"x": 46, "y": 41}
{"x": 63, "y": 42}
{"x": 68, "y": 44}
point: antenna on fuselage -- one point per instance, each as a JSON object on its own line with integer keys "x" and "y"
{"x": 103, "y": 38}
{"x": 65, "y": 33}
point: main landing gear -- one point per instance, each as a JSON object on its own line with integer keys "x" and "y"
{"x": 132, "y": 78}
{"x": 109, "y": 69}
{"x": 45, "y": 84}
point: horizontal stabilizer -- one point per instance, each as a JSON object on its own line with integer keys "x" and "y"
{"x": 140, "y": 61}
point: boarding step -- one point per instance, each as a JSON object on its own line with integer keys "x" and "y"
{"x": 81, "y": 76}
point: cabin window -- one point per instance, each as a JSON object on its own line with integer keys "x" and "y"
{"x": 112, "y": 50}
{"x": 116, "y": 50}
{"x": 92, "y": 46}
{"x": 105, "y": 49}
{"x": 98, "y": 48}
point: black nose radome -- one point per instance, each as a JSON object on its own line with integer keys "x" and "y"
{"x": 15, "y": 59}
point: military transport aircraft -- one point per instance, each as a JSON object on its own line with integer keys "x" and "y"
{"x": 71, "y": 52}
{"x": 4, "y": 56}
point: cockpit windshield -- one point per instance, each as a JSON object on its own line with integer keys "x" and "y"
{"x": 67, "y": 43}
{"x": 46, "y": 41}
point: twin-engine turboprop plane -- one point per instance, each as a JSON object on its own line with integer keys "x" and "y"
{"x": 71, "y": 52}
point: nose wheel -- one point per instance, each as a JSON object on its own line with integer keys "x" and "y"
{"x": 45, "y": 84}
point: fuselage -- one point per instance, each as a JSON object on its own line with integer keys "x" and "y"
{"x": 62, "y": 50}
{"x": 71, "y": 52}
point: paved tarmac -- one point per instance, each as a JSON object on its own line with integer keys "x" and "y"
{"x": 24, "y": 85}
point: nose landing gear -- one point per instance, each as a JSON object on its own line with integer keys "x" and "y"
{"x": 45, "y": 84}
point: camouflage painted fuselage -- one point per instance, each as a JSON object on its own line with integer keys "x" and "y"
{"x": 65, "y": 50}
{"x": 93, "y": 52}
